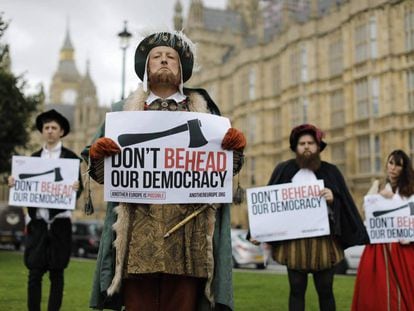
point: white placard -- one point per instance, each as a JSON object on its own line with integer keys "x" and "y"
{"x": 46, "y": 183}
{"x": 287, "y": 211}
{"x": 168, "y": 157}
{"x": 389, "y": 220}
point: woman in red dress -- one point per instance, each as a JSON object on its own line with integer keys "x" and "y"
{"x": 385, "y": 279}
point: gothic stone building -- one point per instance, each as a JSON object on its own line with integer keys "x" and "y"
{"x": 346, "y": 66}
{"x": 74, "y": 96}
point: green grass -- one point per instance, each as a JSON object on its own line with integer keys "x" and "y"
{"x": 252, "y": 290}
{"x": 270, "y": 291}
{"x": 13, "y": 283}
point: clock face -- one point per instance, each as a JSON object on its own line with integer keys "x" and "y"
{"x": 69, "y": 96}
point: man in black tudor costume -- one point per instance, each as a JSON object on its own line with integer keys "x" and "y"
{"x": 316, "y": 255}
{"x": 137, "y": 267}
{"x": 49, "y": 231}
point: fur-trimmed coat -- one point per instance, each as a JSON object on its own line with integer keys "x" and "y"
{"x": 107, "y": 287}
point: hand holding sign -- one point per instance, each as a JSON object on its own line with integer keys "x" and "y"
{"x": 254, "y": 242}
{"x": 168, "y": 157}
{"x": 386, "y": 193}
{"x": 45, "y": 183}
{"x": 11, "y": 181}
{"x": 327, "y": 194}
{"x": 389, "y": 220}
{"x": 75, "y": 186}
{"x": 233, "y": 140}
{"x": 288, "y": 211}
{"x": 103, "y": 147}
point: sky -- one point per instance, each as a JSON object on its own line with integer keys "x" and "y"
{"x": 37, "y": 31}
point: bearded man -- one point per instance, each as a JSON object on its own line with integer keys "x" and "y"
{"x": 317, "y": 255}
{"x": 191, "y": 270}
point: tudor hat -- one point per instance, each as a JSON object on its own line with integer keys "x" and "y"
{"x": 304, "y": 129}
{"x": 53, "y": 115}
{"x": 176, "y": 40}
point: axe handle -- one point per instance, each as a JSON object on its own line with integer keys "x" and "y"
{"x": 24, "y": 176}
{"x": 186, "y": 220}
{"x": 379, "y": 213}
{"x": 132, "y": 139}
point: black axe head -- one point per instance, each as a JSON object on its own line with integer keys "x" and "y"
{"x": 197, "y": 138}
{"x": 193, "y": 127}
{"x": 58, "y": 176}
{"x": 56, "y": 171}
{"x": 411, "y": 205}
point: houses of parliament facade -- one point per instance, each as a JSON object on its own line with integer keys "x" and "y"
{"x": 74, "y": 95}
{"x": 346, "y": 66}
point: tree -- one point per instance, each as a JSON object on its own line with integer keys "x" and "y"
{"x": 16, "y": 108}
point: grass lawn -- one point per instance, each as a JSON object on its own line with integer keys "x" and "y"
{"x": 269, "y": 291}
{"x": 252, "y": 290}
{"x": 13, "y": 283}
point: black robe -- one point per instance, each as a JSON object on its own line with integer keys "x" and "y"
{"x": 50, "y": 248}
{"x": 346, "y": 224}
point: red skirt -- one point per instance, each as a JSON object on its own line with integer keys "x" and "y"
{"x": 385, "y": 279}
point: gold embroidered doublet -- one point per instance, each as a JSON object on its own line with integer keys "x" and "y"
{"x": 185, "y": 252}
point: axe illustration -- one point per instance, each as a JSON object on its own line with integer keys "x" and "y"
{"x": 56, "y": 170}
{"x": 410, "y": 205}
{"x": 197, "y": 138}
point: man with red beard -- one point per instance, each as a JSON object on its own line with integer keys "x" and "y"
{"x": 317, "y": 255}
{"x": 191, "y": 270}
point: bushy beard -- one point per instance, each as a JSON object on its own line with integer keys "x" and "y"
{"x": 310, "y": 161}
{"x": 165, "y": 77}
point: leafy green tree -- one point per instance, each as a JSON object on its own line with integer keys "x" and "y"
{"x": 16, "y": 108}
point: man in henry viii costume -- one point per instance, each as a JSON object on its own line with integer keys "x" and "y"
{"x": 137, "y": 267}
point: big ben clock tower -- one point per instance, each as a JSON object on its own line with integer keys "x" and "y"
{"x": 65, "y": 81}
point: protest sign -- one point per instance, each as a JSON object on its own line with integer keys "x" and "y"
{"x": 389, "y": 220}
{"x": 46, "y": 183}
{"x": 287, "y": 211}
{"x": 168, "y": 157}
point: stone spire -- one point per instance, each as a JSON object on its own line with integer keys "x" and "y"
{"x": 249, "y": 10}
{"x": 195, "y": 16}
{"x": 67, "y": 51}
{"x": 5, "y": 60}
{"x": 67, "y": 64}
{"x": 178, "y": 16}
{"x": 66, "y": 78}
{"x": 87, "y": 86}
{"x": 314, "y": 9}
{"x": 87, "y": 103}
{"x": 234, "y": 5}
